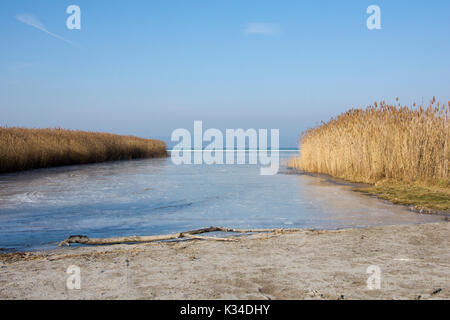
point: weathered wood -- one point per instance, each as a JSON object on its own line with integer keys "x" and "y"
{"x": 191, "y": 236}
{"x": 188, "y": 234}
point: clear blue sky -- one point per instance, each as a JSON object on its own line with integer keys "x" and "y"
{"x": 149, "y": 67}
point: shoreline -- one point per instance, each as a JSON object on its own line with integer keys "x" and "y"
{"x": 369, "y": 190}
{"x": 308, "y": 264}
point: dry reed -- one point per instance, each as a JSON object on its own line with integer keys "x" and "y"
{"x": 22, "y": 149}
{"x": 381, "y": 143}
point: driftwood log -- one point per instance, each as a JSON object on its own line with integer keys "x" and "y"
{"x": 193, "y": 234}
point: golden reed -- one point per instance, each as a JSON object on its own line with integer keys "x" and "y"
{"x": 22, "y": 149}
{"x": 381, "y": 142}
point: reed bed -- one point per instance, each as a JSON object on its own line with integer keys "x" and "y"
{"x": 381, "y": 143}
{"x": 22, "y": 149}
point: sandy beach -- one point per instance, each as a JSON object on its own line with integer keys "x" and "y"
{"x": 414, "y": 261}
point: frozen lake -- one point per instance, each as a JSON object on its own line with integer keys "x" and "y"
{"x": 39, "y": 208}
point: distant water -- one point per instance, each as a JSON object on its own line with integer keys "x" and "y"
{"x": 39, "y": 208}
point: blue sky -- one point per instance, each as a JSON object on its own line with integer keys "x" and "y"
{"x": 149, "y": 67}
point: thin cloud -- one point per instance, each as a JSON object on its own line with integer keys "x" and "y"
{"x": 262, "y": 28}
{"x": 33, "y": 21}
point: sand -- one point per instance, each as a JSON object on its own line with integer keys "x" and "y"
{"x": 414, "y": 263}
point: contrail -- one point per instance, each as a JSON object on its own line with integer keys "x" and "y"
{"x": 31, "y": 20}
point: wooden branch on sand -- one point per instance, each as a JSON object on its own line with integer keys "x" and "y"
{"x": 193, "y": 234}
